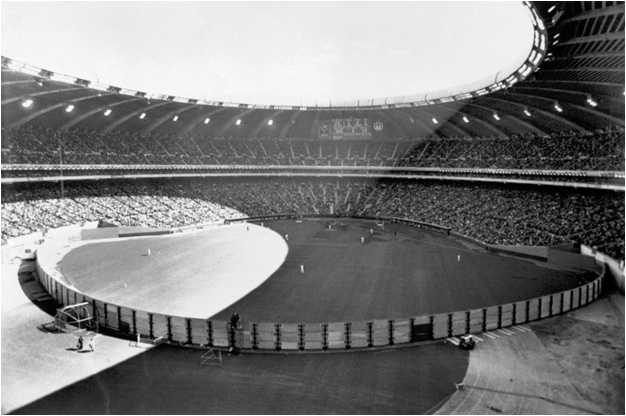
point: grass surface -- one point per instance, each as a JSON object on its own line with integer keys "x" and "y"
{"x": 397, "y": 272}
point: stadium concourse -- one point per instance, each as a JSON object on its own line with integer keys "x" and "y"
{"x": 530, "y": 159}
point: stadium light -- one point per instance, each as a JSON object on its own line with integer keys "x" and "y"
{"x": 551, "y": 8}
{"x": 269, "y": 123}
{"x": 526, "y": 111}
{"x": 238, "y": 121}
{"x": 106, "y": 113}
{"x": 435, "y": 120}
{"x": 206, "y": 120}
{"x": 465, "y": 119}
{"x": 27, "y": 103}
{"x": 69, "y": 108}
{"x": 142, "y": 116}
{"x": 495, "y": 115}
{"x": 175, "y": 118}
{"x": 591, "y": 101}
{"x": 557, "y": 107}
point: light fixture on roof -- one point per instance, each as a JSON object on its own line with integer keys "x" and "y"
{"x": 27, "y": 103}
{"x": 238, "y": 121}
{"x": 591, "y": 101}
{"x": 435, "y": 120}
{"x": 527, "y": 112}
{"x": 465, "y": 119}
{"x": 175, "y": 118}
{"x": 496, "y": 116}
{"x": 106, "y": 113}
{"x": 270, "y": 122}
{"x": 69, "y": 108}
{"x": 558, "y": 107}
{"x": 142, "y": 116}
{"x": 206, "y": 120}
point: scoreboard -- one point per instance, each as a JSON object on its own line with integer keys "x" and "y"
{"x": 345, "y": 128}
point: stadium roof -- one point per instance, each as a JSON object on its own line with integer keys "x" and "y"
{"x": 573, "y": 79}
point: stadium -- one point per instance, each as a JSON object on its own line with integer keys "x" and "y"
{"x": 454, "y": 252}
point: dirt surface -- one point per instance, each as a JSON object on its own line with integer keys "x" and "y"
{"x": 588, "y": 344}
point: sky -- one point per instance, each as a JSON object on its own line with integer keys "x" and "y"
{"x": 290, "y": 53}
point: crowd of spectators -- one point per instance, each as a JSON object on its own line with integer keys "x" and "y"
{"x": 495, "y": 214}
{"x": 603, "y": 150}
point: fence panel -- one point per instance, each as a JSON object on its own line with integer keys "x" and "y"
{"x": 359, "y": 335}
{"x": 380, "y": 332}
{"x": 126, "y": 317}
{"x": 440, "y": 326}
{"x": 476, "y": 321}
{"x": 545, "y": 307}
{"x": 220, "y": 333}
{"x": 336, "y": 335}
{"x": 492, "y": 318}
{"x": 313, "y": 337}
{"x": 520, "y": 313}
{"x": 199, "y": 332}
{"x": 506, "y": 319}
{"x": 459, "y": 323}
{"x": 100, "y": 312}
{"x": 401, "y": 331}
{"x": 576, "y": 298}
{"x": 266, "y": 336}
{"x": 583, "y": 294}
{"x": 159, "y": 326}
{"x": 556, "y": 304}
{"x": 289, "y": 337}
{"x": 179, "y": 328}
{"x": 143, "y": 323}
{"x": 533, "y": 310}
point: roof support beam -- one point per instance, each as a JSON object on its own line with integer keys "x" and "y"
{"x": 448, "y": 121}
{"x": 80, "y": 118}
{"x": 130, "y": 115}
{"x": 231, "y": 122}
{"x": 583, "y": 69}
{"x": 619, "y": 121}
{"x": 19, "y": 123}
{"x": 530, "y": 86}
{"x": 517, "y": 119}
{"x": 263, "y": 123}
{"x": 290, "y": 122}
{"x": 593, "y": 38}
{"x": 164, "y": 118}
{"x": 604, "y": 11}
{"x": 560, "y": 119}
{"x": 604, "y": 84}
{"x": 193, "y": 123}
{"x": 37, "y": 94}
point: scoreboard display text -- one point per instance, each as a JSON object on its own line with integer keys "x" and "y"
{"x": 345, "y": 128}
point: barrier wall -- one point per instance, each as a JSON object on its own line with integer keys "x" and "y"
{"x": 314, "y": 336}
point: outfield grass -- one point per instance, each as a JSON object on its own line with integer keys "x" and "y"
{"x": 397, "y": 272}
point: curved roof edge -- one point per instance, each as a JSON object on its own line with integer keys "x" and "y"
{"x": 505, "y": 78}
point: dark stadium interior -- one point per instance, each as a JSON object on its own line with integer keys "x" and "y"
{"x": 537, "y": 161}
